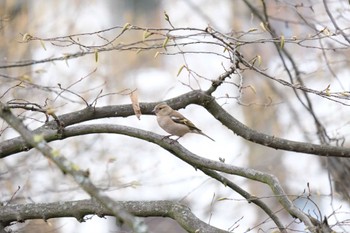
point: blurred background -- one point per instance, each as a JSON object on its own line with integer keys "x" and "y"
{"x": 130, "y": 169}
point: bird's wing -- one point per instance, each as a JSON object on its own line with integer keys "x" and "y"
{"x": 180, "y": 119}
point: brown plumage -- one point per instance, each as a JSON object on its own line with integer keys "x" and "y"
{"x": 174, "y": 122}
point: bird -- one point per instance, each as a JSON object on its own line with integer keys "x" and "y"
{"x": 174, "y": 122}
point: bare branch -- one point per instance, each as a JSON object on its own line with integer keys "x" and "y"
{"x": 196, "y": 161}
{"x": 247, "y": 196}
{"x": 16, "y": 145}
{"x": 339, "y": 30}
{"x": 79, "y": 209}
{"x": 80, "y": 177}
{"x": 175, "y": 148}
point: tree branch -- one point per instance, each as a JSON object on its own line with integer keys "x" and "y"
{"x": 187, "y": 156}
{"x": 247, "y": 196}
{"x": 80, "y": 177}
{"x": 79, "y": 209}
{"x": 17, "y": 145}
{"x": 338, "y": 29}
{"x": 198, "y": 162}
{"x": 190, "y": 158}
{"x": 271, "y": 141}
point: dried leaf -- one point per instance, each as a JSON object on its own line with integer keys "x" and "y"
{"x": 135, "y": 104}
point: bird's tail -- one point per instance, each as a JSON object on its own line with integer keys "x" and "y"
{"x": 200, "y": 132}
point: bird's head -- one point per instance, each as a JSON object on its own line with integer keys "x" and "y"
{"x": 162, "y": 109}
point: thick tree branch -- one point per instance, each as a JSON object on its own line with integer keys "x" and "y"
{"x": 271, "y": 141}
{"x": 66, "y": 126}
{"x": 16, "y": 145}
{"x": 80, "y": 177}
{"x": 79, "y": 209}
{"x": 187, "y": 156}
{"x": 182, "y": 153}
{"x": 198, "y": 162}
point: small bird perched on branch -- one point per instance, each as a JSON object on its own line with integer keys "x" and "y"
{"x": 174, "y": 122}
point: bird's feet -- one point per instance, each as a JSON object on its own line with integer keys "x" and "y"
{"x": 172, "y": 140}
{"x": 168, "y": 137}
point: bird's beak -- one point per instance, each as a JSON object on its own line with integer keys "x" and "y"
{"x": 154, "y": 110}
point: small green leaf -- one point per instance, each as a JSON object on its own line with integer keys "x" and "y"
{"x": 252, "y": 30}
{"x": 223, "y": 199}
{"x": 165, "y": 42}
{"x": 126, "y": 27}
{"x": 328, "y": 90}
{"x": 282, "y": 41}
{"x": 42, "y": 45}
{"x": 180, "y": 70}
{"x": 263, "y": 26}
{"x": 38, "y": 138}
{"x": 96, "y": 55}
{"x": 26, "y": 37}
{"x": 147, "y": 34}
{"x": 55, "y": 153}
{"x": 74, "y": 167}
{"x": 166, "y": 16}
